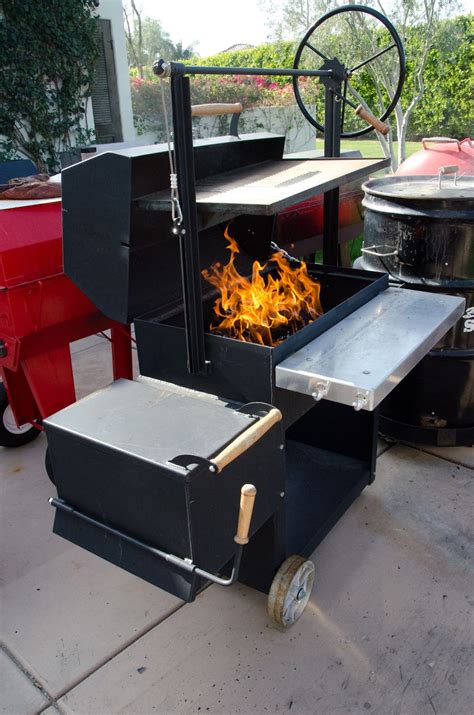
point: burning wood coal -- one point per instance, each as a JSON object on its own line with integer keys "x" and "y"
{"x": 278, "y": 301}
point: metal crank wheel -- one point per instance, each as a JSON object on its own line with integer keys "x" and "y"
{"x": 365, "y": 53}
{"x": 290, "y": 590}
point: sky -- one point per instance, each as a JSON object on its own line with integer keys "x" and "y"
{"x": 212, "y": 26}
{"x": 209, "y": 25}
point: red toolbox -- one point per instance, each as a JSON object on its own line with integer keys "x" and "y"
{"x": 41, "y": 312}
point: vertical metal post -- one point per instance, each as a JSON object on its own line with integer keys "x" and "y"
{"x": 332, "y": 148}
{"x": 188, "y": 233}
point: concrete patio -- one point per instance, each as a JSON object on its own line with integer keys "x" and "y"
{"x": 388, "y": 630}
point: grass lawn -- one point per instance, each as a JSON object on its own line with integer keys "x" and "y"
{"x": 371, "y": 148}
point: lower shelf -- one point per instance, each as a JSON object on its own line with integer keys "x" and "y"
{"x": 320, "y": 485}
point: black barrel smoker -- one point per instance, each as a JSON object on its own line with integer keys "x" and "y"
{"x": 150, "y": 473}
{"x": 420, "y": 230}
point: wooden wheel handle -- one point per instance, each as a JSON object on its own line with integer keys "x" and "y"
{"x": 372, "y": 120}
{"x": 245, "y": 440}
{"x": 208, "y": 110}
{"x": 247, "y": 501}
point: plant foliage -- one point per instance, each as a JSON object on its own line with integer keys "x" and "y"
{"x": 445, "y": 109}
{"x": 48, "y": 55}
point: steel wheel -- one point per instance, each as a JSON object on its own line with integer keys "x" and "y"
{"x": 10, "y": 434}
{"x": 290, "y": 590}
{"x": 367, "y": 46}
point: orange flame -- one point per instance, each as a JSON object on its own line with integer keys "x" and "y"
{"x": 268, "y": 308}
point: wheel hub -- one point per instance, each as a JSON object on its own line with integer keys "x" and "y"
{"x": 10, "y": 424}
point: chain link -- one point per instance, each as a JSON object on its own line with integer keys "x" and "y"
{"x": 176, "y": 213}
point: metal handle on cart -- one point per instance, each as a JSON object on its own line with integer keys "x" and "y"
{"x": 247, "y": 501}
{"x": 440, "y": 140}
{"x": 371, "y": 250}
{"x": 447, "y": 170}
{"x": 245, "y": 440}
{"x": 372, "y": 120}
{"x": 209, "y": 110}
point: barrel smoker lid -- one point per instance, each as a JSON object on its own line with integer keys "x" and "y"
{"x": 421, "y": 188}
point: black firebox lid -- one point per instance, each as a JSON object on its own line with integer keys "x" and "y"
{"x": 152, "y": 421}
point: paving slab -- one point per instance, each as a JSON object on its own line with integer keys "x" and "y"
{"x": 92, "y": 366}
{"x": 18, "y": 695}
{"x": 88, "y": 342}
{"x": 64, "y": 611}
{"x": 387, "y": 630}
{"x": 460, "y": 455}
{"x": 382, "y": 446}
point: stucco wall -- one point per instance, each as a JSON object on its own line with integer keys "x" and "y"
{"x": 112, "y": 10}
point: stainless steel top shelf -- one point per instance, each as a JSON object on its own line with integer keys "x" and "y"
{"x": 271, "y": 186}
{"x": 362, "y": 358}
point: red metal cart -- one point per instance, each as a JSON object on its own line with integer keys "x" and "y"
{"x": 41, "y": 312}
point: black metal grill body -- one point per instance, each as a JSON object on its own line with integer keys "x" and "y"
{"x": 244, "y": 371}
{"x": 307, "y": 472}
{"x": 122, "y": 256}
{"x": 111, "y": 459}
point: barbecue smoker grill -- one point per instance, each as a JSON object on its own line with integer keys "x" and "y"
{"x": 150, "y": 473}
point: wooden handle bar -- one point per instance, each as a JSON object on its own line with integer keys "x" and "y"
{"x": 372, "y": 119}
{"x": 247, "y": 501}
{"x": 245, "y": 440}
{"x": 208, "y": 110}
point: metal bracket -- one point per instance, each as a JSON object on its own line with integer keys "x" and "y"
{"x": 184, "y": 564}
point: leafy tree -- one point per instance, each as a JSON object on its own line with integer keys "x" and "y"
{"x": 146, "y": 39}
{"x": 47, "y": 63}
{"x": 447, "y": 106}
{"x": 419, "y": 20}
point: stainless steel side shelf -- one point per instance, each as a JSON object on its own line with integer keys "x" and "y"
{"x": 362, "y": 358}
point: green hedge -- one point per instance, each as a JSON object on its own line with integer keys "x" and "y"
{"x": 445, "y": 109}
{"x": 447, "y": 105}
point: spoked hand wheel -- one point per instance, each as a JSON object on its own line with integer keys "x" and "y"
{"x": 368, "y": 61}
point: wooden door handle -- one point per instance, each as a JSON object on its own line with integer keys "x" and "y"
{"x": 208, "y": 110}
{"x": 245, "y": 440}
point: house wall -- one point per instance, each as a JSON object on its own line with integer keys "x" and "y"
{"x": 112, "y": 10}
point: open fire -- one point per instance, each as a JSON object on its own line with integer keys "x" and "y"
{"x": 278, "y": 300}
